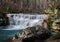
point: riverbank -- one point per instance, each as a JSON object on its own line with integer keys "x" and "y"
{"x": 31, "y": 34}
{"x": 35, "y": 34}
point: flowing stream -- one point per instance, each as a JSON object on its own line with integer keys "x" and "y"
{"x": 17, "y": 22}
{"x": 22, "y": 21}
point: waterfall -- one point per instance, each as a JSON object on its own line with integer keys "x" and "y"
{"x": 21, "y": 21}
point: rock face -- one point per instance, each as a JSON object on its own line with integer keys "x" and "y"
{"x": 26, "y": 5}
{"x": 31, "y": 34}
{"x": 3, "y": 20}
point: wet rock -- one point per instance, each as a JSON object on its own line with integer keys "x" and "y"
{"x": 57, "y": 40}
{"x": 32, "y": 34}
{"x": 3, "y": 20}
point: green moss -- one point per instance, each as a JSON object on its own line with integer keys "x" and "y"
{"x": 50, "y": 23}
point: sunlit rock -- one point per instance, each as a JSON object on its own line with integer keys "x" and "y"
{"x": 56, "y": 24}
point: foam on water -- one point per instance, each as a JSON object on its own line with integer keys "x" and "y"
{"x": 22, "y": 21}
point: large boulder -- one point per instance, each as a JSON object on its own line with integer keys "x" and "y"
{"x": 3, "y": 20}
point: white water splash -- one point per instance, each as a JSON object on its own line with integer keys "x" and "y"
{"x": 22, "y": 21}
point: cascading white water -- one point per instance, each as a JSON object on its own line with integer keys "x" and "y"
{"x": 21, "y": 21}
